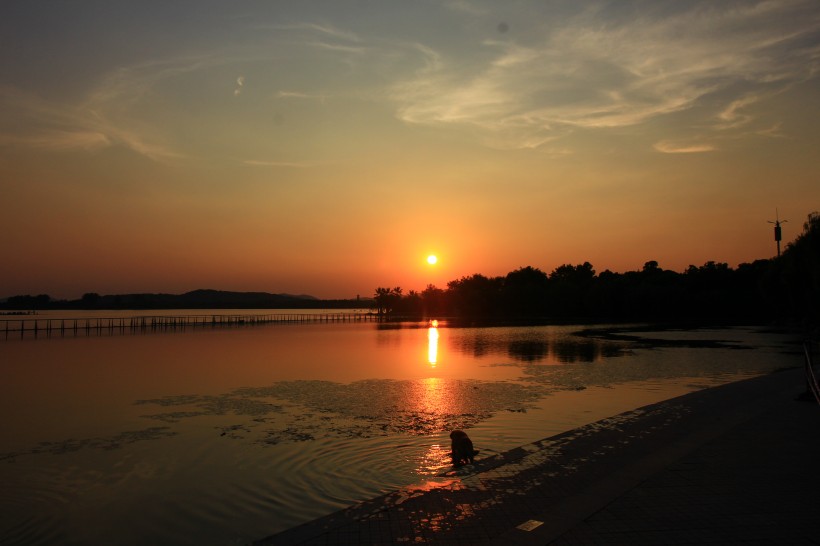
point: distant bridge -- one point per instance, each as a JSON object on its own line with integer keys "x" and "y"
{"x": 100, "y": 325}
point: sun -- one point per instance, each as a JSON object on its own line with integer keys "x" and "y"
{"x": 432, "y": 259}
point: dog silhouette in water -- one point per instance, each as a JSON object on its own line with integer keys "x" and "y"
{"x": 461, "y": 448}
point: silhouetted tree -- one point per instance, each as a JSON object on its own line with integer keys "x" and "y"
{"x": 525, "y": 292}
{"x": 749, "y": 286}
{"x": 606, "y": 296}
{"x": 41, "y": 301}
{"x": 386, "y": 299}
{"x": 410, "y": 305}
{"x": 568, "y": 286}
{"x": 799, "y": 273}
{"x": 433, "y": 303}
{"x": 787, "y": 288}
{"x": 90, "y": 300}
{"x": 475, "y": 296}
{"x": 708, "y": 288}
{"x": 655, "y": 292}
{"x": 381, "y": 300}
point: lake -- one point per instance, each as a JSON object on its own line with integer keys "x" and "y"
{"x": 227, "y": 435}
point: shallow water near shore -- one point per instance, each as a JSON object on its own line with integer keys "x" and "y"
{"x": 223, "y": 436}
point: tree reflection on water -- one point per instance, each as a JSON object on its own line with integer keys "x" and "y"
{"x": 534, "y": 345}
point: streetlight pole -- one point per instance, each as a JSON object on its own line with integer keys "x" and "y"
{"x": 778, "y": 235}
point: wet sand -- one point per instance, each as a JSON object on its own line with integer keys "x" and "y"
{"x": 729, "y": 464}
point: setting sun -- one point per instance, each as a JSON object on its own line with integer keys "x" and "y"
{"x": 432, "y": 259}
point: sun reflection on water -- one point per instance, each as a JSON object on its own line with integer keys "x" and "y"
{"x": 432, "y": 344}
{"x": 434, "y": 461}
{"x": 434, "y": 396}
{"x": 434, "y": 400}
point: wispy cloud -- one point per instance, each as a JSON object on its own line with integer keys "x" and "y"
{"x": 463, "y": 6}
{"x": 108, "y": 115}
{"x": 287, "y": 164}
{"x": 300, "y": 96}
{"x": 54, "y": 126}
{"x": 323, "y": 36}
{"x": 775, "y": 131}
{"x": 605, "y": 66}
{"x": 343, "y": 48}
{"x": 592, "y": 73}
{"x": 733, "y": 116}
{"x": 668, "y": 147}
{"x": 321, "y": 29}
{"x": 58, "y": 140}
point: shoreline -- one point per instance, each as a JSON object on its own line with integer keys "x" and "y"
{"x": 558, "y": 481}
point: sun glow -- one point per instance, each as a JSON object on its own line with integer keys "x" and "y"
{"x": 432, "y": 259}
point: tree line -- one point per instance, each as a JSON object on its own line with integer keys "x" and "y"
{"x": 782, "y": 288}
{"x": 196, "y": 299}
{"x": 786, "y": 288}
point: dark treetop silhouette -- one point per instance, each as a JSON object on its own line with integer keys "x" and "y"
{"x": 786, "y": 288}
{"x": 783, "y": 288}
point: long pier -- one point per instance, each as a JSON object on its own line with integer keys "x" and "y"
{"x": 109, "y": 325}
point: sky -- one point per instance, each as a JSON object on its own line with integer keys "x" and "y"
{"x": 327, "y": 148}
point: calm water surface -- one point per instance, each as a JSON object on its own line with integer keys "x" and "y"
{"x": 223, "y": 436}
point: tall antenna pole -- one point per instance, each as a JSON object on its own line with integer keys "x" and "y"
{"x": 777, "y": 232}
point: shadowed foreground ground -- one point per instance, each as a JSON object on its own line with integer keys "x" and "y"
{"x": 733, "y": 464}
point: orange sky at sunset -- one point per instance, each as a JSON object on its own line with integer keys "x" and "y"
{"x": 327, "y": 148}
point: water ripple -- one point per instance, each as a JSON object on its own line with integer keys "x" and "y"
{"x": 30, "y": 510}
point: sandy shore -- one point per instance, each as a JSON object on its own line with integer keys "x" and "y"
{"x": 734, "y": 463}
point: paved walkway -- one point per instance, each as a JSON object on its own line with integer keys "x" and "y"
{"x": 733, "y": 464}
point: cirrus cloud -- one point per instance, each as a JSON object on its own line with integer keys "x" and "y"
{"x": 594, "y": 73}
{"x": 668, "y": 147}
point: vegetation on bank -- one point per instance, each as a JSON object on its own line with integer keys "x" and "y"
{"x": 786, "y": 288}
{"x": 783, "y": 288}
{"x": 197, "y": 299}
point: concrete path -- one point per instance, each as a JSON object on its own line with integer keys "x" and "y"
{"x": 733, "y": 464}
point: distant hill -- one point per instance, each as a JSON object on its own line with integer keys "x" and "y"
{"x": 196, "y": 299}
{"x": 221, "y": 296}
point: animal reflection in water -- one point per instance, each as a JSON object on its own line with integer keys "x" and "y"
{"x": 461, "y": 448}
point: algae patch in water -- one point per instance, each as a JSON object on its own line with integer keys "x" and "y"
{"x": 106, "y": 443}
{"x": 209, "y": 405}
{"x": 296, "y": 411}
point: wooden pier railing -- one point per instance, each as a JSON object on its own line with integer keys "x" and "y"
{"x": 100, "y": 325}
